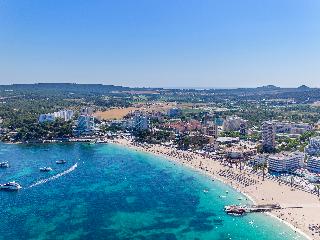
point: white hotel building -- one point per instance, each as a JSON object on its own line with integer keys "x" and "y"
{"x": 284, "y": 162}
{"x": 66, "y": 115}
{"x": 313, "y": 152}
{"x": 313, "y": 164}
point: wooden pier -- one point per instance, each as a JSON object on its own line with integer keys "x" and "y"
{"x": 263, "y": 208}
{"x": 240, "y": 210}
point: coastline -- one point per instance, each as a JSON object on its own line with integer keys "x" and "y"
{"x": 284, "y": 215}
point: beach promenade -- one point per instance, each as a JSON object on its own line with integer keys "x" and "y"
{"x": 300, "y": 209}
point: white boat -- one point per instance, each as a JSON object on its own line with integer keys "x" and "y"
{"x": 4, "y": 165}
{"x": 61, "y": 161}
{"x": 10, "y": 186}
{"x": 236, "y": 210}
{"x": 46, "y": 169}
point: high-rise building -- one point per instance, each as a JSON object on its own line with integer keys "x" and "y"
{"x": 85, "y": 124}
{"x": 140, "y": 122}
{"x": 86, "y": 111}
{"x": 268, "y": 132}
{"x": 211, "y": 130}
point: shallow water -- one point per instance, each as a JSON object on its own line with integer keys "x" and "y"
{"x": 111, "y": 192}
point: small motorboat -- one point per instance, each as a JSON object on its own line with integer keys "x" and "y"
{"x": 205, "y": 190}
{"x": 61, "y": 162}
{"x": 10, "y": 186}
{"x": 235, "y": 210}
{"x": 4, "y": 165}
{"x": 45, "y": 169}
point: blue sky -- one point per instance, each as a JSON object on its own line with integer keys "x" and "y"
{"x": 161, "y": 43}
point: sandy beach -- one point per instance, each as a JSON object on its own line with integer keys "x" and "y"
{"x": 300, "y": 209}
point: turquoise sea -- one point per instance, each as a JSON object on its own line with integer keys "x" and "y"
{"x": 106, "y": 191}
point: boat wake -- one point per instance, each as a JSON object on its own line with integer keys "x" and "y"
{"x": 55, "y": 176}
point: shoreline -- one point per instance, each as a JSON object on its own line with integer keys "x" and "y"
{"x": 283, "y": 214}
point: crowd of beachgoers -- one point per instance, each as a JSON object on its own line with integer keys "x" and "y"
{"x": 315, "y": 228}
{"x": 239, "y": 177}
{"x": 296, "y": 182}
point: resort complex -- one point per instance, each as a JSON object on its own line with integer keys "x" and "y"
{"x": 269, "y": 153}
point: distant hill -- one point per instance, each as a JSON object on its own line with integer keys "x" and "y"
{"x": 101, "y": 88}
{"x": 70, "y": 87}
{"x": 303, "y": 87}
{"x": 268, "y": 87}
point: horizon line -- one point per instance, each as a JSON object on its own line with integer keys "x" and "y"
{"x": 165, "y": 87}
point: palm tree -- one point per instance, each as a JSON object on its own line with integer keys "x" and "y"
{"x": 261, "y": 166}
{"x": 264, "y": 166}
{"x": 291, "y": 181}
{"x": 317, "y": 188}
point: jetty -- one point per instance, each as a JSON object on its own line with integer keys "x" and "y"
{"x": 263, "y": 207}
{"x": 240, "y": 209}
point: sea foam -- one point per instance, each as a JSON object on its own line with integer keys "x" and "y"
{"x": 55, "y": 176}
